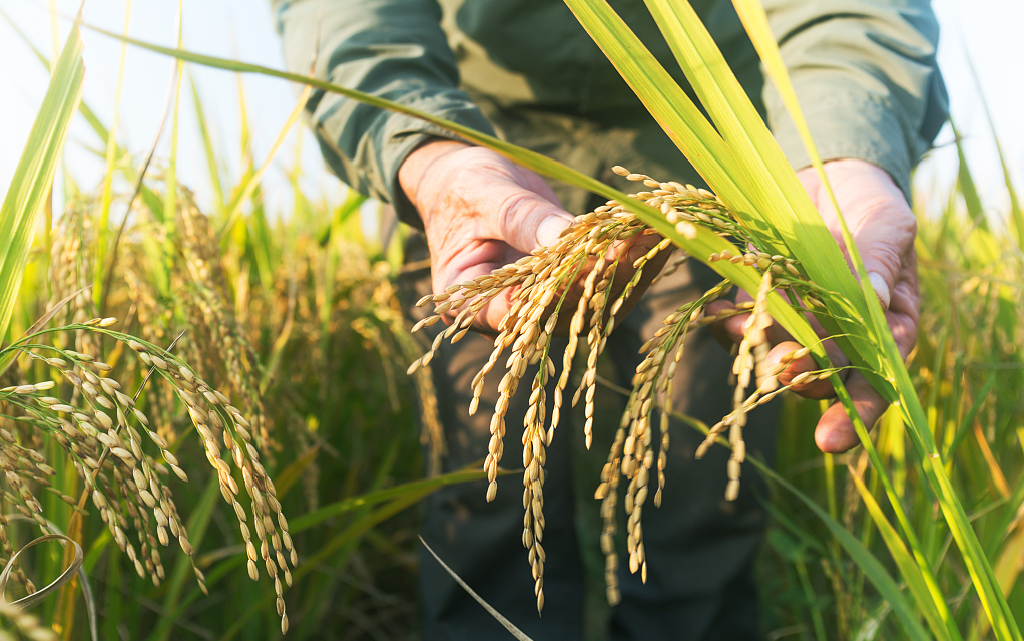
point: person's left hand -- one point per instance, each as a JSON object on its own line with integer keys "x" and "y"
{"x": 884, "y": 228}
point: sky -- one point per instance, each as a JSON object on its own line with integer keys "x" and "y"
{"x": 984, "y": 31}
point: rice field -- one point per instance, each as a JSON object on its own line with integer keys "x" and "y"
{"x": 222, "y": 421}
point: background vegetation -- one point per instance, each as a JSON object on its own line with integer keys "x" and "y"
{"x": 299, "y": 319}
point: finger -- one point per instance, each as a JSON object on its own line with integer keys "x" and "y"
{"x": 835, "y": 432}
{"x": 728, "y": 331}
{"x": 817, "y": 389}
{"x": 476, "y": 258}
{"x": 724, "y": 331}
{"x": 880, "y": 221}
{"x": 627, "y": 253}
{"x": 904, "y": 314}
{"x": 883, "y": 246}
{"x": 882, "y": 252}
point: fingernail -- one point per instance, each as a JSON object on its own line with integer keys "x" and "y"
{"x": 549, "y": 230}
{"x": 881, "y": 288}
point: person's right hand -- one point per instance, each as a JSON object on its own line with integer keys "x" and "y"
{"x": 480, "y": 212}
{"x": 884, "y": 228}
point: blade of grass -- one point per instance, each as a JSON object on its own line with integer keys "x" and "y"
{"x": 170, "y": 201}
{"x": 212, "y": 166}
{"x": 873, "y": 625}
{"x": 81, "y": 575}
{"x": 347, "y": 536}
{"x": 678, "y": 116}
{"x": 1007, "y": 569}
{"x": 516, "y": 632}
{"x": 237, "y": 242}
{"x": 90, "y": 117}
{"x": 968, "y": 420}
{"x": 214, "y": 576}
{"x": 150, "y": 199}
{"x": 290, "y": 475}
{"x": 873, "y": 569}
{"x": 106, "y": 196}
{"x": 326, "y": 578}
{"x": 936, "y": 614}
{"x": 316, "y": 517}
{"x": 277, "y": 351}
{"x": 998, "y": 478}
{"x": 776, "y": 191}
{"x": 252, "y": 180}
{"x": 966, "y": 182}
{"x": 33, "y": 177}
{"x": 69, "y": 572}
{"x": 1013, "y": 515}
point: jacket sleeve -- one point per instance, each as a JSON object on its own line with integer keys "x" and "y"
{"x": 394, "y": 49}
{"x": 866, "y": 76}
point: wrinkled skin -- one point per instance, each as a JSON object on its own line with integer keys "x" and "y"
{"x": 480, "y": 212}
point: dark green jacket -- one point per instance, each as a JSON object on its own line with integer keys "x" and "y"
{"x": 864, "y": 70}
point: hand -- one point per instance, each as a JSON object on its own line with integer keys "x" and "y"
{"x": 884, "y": 228}
{"x": 481, "y": 212}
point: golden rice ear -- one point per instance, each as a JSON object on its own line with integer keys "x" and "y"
{"x": 582, "y": 257}
{"x": 126, "y": 484}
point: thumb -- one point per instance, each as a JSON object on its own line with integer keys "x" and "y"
{"x": 884, "y": 242}
{"x": 528, "y": 220}
{"x": 879, "y": 217}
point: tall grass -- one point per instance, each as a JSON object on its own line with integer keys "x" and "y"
{"x": 915, "y": 534}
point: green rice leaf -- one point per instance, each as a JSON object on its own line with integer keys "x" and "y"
{"x": 213, "y": 168}
{"x": 429, "y": 485}
{"x": 33, "y": 178}
{"x": 966, "y": 181}
{"x": 106, "y": 195}
{"x": 349, "y": 535}
{"x": 672, "y": 109}
{"x": 774, "y": 187}
{"x": 935, "y": 611}
{"x": 810, "y": 240}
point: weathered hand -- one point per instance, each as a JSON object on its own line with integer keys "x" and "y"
{"x": 884, "y": 228}
{"x": 480, "y": 212}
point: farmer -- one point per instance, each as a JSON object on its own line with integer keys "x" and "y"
{"x": 525, "y": 70}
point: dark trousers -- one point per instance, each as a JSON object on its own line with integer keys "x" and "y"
{"x": 699, "y": 547}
